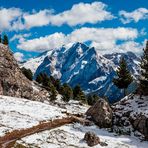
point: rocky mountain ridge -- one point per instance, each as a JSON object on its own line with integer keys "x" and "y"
{"x": 80, "y": 64}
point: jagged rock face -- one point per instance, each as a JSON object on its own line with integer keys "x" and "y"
{"x": 79, "y": 64}
{"x": 132, "y": 111}
{"x": 101, "y": 113}
{"x": 82, "y": 65}
{"x": 12, "y": 81}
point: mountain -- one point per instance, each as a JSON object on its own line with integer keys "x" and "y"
{"x": 33, "y": 63}
{"x": 80, "y": 64}
{"x": 132, "y": 60}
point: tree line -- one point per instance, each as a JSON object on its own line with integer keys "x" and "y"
{"x": 55, "y": 87}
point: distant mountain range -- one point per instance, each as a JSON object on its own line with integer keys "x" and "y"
{"x": 79, "y": 64}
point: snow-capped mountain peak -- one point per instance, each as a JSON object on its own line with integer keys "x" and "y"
{"x": 80, "y": 64}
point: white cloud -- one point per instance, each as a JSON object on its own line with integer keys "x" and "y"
{"x": 79, "y": 14}
{"x": 20, "y": 37}
{"x": 82, "y": 13}
{"x": 104, "y": 39}
{"x": 37, "y": 19}
{"x": 8, "y": 16}
{"x": 102, "y": 34}
{"x": 18, "y": 56}
{"x": 53, "y": 41}
{"x": 130, "y": 46}
{"x": 136, "y": 15}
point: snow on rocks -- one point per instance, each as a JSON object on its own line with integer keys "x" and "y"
{"x": 131, "y": 114}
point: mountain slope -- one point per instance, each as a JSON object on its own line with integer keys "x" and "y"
{"x": 33, "y": 63}
{"x": 80, "y": 64}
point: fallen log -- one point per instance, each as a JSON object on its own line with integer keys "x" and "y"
{"x": 9, "y": 139}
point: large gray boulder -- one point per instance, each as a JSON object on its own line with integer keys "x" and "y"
{"x": 101, "y": 113}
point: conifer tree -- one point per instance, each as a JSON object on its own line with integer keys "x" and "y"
{"x": 67, "y": 92}
{"x": 5, "y": 40}
{"x": 78, "y": 94}
{"x": 144, "y": 72}
{"x": 124, "y": 77}
{"x": 27, "y": 73}
{"x": 0, "y": 38}
{"x": 53, "y": 92}
{"x": 92, "y": 99}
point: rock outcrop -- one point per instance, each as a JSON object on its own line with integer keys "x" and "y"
{"x": 131, "y": 114}
{"x": 91, "y": 139}
{"x": 12, "y": 81}
{"x": 101, "y": 114}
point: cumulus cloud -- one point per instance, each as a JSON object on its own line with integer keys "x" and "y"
{"x": 82, "y": 13}
{"x": 53, "y": 41}
{"x": 119, "y": 48}
{"x": 20, "y": 37}
{"x": 79, "y": 14}
{"x": 136, "y": 15}
{"x": 37, "y": 19}
{"x": 104, "y": 39}
{"x": 7, "y": 17}
{"x": 18, "y": 56}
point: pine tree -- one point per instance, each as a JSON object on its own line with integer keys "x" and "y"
{"x": 67, "y": 92}
{"x": 53, "y": 92}
{"x": 124, "y": 77}
{"x": 144, "y": 72}
{"x": 92, "y": 99}
{"x": 78, "y": 94}
{"x": 0, "y": 38}
{"x": 27, "y": 73}
{"x": 39, "y": 78}
{"x": 5, "y": 40}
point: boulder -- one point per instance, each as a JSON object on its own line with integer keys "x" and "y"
{"x": 91, "y": 139}
{"x": 140, "y": 123}
{"x": 101, "y": 114}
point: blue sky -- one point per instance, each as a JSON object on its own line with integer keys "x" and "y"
{"x": 34, "y": 26}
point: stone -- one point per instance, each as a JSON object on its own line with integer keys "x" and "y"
{"x": 12, "y": 80}
{"x": 91, "y": 139}
{"x": 101, "y": 113}
{"x": 140, "y": 123}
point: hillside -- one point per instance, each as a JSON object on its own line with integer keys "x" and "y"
{"x": 12, "y": 80}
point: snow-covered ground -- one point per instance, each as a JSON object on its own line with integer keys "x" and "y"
{"x": 18, "y": 113}
{"x": 71, "y": 136}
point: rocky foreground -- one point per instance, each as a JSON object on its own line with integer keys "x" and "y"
{"x": 17, "y": 115}
{"x": 131, "y": 115}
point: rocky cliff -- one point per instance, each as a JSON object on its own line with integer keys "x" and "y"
{"x": 12, "y": 81}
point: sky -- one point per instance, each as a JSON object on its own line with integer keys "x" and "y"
{"x": 34, "y": 26}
